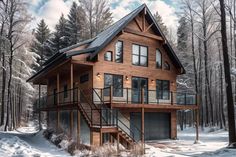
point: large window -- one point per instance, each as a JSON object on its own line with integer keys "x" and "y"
{"x": 163, "y": 89}
{"x": 108, "y": 56}
{"x": 119, "y": 52}
{"x": 139, "y": 55}
{"x": 116, "y": 81}
{"x": 158, "y": 59}
{"x": 65, "y": 91}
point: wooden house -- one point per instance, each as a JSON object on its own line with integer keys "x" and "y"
{"x": 119, "y": 86}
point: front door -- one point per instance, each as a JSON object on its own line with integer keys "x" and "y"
{"x": 138, "y": 83}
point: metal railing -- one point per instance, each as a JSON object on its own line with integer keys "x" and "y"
{"x": 139, "y": 96}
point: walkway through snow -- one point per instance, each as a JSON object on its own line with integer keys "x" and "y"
{"x": 27, "y": 143}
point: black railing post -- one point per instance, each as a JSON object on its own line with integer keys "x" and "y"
{"x": 100, "y": 118}
{"x": 91, "y": 117}
{"x": 185, "y": 98}
{"x": 172, "y": 99}
{"x": 127, "y": 95}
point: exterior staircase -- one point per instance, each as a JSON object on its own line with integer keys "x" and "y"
{"x": 99, "y": 116}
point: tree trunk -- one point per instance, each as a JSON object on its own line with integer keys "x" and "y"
{"x": 229, "y": 95}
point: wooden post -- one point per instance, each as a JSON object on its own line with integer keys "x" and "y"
{"x": 118, "y": 142}
{"x": 111, "y": 94}
{"x": 78, "y": 127}
{"x": 40, "y": 126}
{"x": 197, "y": 119}
{"x": 58, "y": 99}
{"x": 142, "y": 96}
{"x": 142, "y": 131}
{"x": 71, "y": 98}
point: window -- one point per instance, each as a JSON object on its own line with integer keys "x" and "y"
{"x": 119, "y": 52}
{"x": 166, "y": 66}
{"x": 108, "y": 56}
{"x": 158, "y": 59}
{"x": 163, "y": 89}
{"x": 139, "y": 55}
{"x": 65, "y": 91}
{"x": 116, "y": 81}
{"x": 84, "y": 78}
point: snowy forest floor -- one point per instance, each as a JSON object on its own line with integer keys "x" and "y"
{"x": 25, "y": 142}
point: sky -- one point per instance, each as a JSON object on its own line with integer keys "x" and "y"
{"x": 51, "y": 10}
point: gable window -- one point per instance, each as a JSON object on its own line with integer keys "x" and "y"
{"x": 158, "y": 59}
{"x": 163, "y": 89}
{"x": 108, "y": 56}
{"x": 139, "y": 55}
{"x": 116, "y": 81}
{"x": 119, "y": 52}
{"x": 65, "y": 91}
{"x": 166, "y": 66}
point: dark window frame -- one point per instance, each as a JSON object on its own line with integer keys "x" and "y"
{"x": 159, "y": 67}
{"x": 160, "y": 93}
{"x": 112, "y": 84}
{"x": 139, "y": 55}
{"x": 65, "y": 91}
{"x": 84, "y": 78}
{"x": 105, "y": 59}
{"x": 166, "y": 66}
{"x": 119, "y": 60}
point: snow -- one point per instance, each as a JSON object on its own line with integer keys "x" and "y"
{"x": 27, "y": 142}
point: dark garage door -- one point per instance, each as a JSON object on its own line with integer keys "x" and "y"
{"x": 157, "y": 125}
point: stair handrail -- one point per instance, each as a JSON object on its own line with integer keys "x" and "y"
{"x": 104, "y": 105}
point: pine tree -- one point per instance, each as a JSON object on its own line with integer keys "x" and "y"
{"x": 60, "y": 39}
{"x": 74, "y": 25}
{"x": 161, "y": 24}
{"x": 182, "y": 34}
{"x": 40, "y": 45}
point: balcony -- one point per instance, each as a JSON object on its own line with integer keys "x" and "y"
{"x": 117, "y": 97}
{"x": 143, "y": 96}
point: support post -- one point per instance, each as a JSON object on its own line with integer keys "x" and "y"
{"x": 111, "y": 94}
{"x": 142, "y": 131}
{"x": 118, "y": 142}
{"x": 142, "y": 96}
{"x": 71, "y": 98}
{"x": 40, "y": 125}
{"x": 58, "y": 100}
{"x": 78, "y": 128}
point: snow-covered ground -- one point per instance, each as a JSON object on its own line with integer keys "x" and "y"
{"x": 211, "y": 144}
{"x": 25, "y": 142}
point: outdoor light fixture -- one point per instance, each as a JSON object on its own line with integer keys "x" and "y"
{"x": 126, "y": 78}
{"x": 98, "y": 75}
{"x": 152, "y": 81}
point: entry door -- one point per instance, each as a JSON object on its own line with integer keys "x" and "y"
{"x": 137, "y": 84}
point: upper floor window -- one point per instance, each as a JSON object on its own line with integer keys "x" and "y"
{"x": 163, "y": 89}
{"x": 108, "y": 56}
{"x": 119, "y": 52}
{"x": 116, "y": 81}
{"x": 158, "y": 59}
{"x": 166, "y": 66}
{"x": 139, "y": 55}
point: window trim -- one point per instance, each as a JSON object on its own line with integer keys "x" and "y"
{"x": 160, "y": 57}
{"x": 139, "y": 55}
{"x": 111, "y": 56}
{"x": 122, "y": 58}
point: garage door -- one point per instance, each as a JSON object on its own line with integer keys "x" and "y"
{"x": 156, "y": 127}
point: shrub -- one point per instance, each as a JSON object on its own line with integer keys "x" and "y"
{"x": 48, "y": 133}
{"x": 137, "y": 150}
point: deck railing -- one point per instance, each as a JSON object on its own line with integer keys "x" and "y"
{"x": 144, "y": 96}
